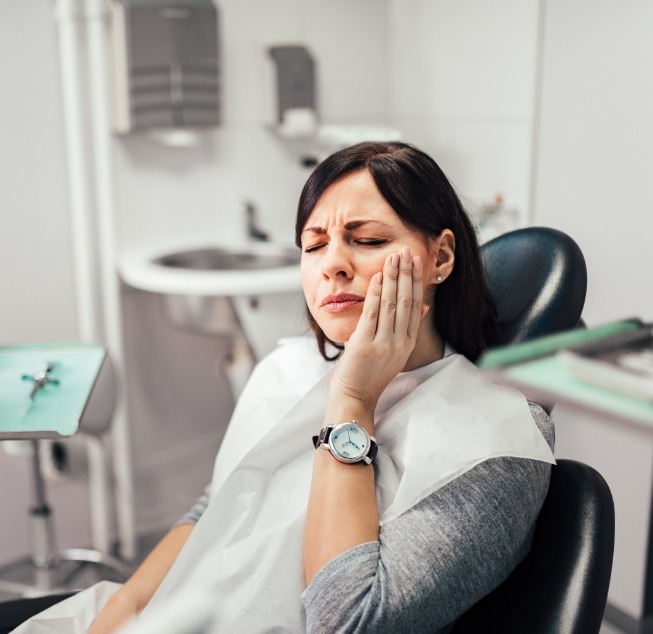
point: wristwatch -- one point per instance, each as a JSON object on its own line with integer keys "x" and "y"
{"x": 347, "y": 442}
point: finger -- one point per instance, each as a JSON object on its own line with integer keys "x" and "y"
{"x": 388, "y": 306}
{"x": 367, "y": 324}
{"x": 405, "y": 293}
{"x": 417, "y": 311}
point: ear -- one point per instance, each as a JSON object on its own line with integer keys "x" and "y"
{"x": 445, "y": 255}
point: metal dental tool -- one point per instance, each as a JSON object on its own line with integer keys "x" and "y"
{"x": 39, "y": 380}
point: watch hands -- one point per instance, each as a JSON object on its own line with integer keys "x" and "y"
{"x": 351, "y": 442}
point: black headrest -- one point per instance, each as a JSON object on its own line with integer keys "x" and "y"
{"x": 538, "y": 279}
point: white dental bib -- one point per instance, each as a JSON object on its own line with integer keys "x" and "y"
{"x": 246, "y": 552}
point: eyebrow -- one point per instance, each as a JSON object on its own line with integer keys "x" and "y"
{"x": 354, "y": 224}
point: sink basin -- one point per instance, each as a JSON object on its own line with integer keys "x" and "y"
{"x": 214, "y": 270}
{"x": 225, "y": 259}
{"x": 198, "y": 284}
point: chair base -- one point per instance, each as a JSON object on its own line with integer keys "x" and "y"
{"x": 69, "y": 569}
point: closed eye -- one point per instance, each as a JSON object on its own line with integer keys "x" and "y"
{"x": 313, "y": 247}
{"x": 377, "y": 242}
{"x": 371, "y": 243}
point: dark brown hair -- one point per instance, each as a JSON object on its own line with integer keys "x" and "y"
{"x": 421, "y": 195}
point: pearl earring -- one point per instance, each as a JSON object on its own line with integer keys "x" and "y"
{"x": 438, "y": 278}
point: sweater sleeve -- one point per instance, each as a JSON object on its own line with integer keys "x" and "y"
{"x": 192, "y": 516}
{"x": 440, "y": 557}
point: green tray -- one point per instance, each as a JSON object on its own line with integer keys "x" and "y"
{"x": 56, "y": 410}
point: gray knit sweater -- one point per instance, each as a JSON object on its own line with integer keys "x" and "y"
{"x": 437, "y": 559}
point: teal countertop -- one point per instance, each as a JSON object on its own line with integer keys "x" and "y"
{"x": 57, "y": 409}
{"x": 536, "y": 369}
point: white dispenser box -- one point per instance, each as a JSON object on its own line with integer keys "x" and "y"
{"x": 165, "y": 64}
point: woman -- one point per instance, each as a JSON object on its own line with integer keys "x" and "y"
{"x": 431, "y": 480}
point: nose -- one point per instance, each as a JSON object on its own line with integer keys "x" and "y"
{"x": 336, "y": 262}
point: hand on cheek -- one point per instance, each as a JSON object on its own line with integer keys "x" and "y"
{"x": 386, "y": 333}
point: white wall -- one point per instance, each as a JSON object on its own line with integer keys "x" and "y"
{"x": 463, "y": 84}
{"x": 36, "y": 284}
{"x": 594, "y": 158}
{"x": 593, "y": 166}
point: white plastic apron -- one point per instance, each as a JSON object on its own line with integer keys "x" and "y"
{"x": 247, "y": 547}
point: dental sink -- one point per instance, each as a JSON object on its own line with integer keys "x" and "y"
{"x": 214, "y": 270}
{"x": 198, "y": 285}
{"x": 223, "y": 259}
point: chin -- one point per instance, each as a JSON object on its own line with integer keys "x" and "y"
{"x": 341, "y": 339}
{"x": 338, "y": 332}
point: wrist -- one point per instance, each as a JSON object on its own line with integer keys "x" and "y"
{"x": 349, "y": 408}
{"x": 361, "y": 398}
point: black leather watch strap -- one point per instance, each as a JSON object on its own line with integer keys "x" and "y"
{"x": 374, "y": 449}
{"x": 323, "y": 437}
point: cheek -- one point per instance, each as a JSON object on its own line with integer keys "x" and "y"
{"x": 372, "y": 265}
{"x": 309, "y": 279}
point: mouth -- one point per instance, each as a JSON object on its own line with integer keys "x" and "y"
{"x": 340, "y": 303}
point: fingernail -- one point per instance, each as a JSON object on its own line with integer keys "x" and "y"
{"x": 394, "y": 259}
{"x": 417, "y": 263}
{"x": 378, "y": 277}
{"x": 405, "y": 254}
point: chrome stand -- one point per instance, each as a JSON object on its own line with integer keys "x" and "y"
{"x": 45, "y": 561}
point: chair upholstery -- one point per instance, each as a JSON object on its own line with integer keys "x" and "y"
{"x": 538, "y": 279}
{"x": 561, "y": 586}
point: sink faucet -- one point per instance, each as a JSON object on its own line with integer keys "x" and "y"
{"x": 253, "y": 231}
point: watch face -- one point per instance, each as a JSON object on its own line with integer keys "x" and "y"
{"x": 349, "y": 442}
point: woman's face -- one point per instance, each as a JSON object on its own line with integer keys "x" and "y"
{"x": 345, "y": 241}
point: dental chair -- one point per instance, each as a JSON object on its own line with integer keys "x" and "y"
{"x": 538, "y": 279}
{"x": 562, "y": 584}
